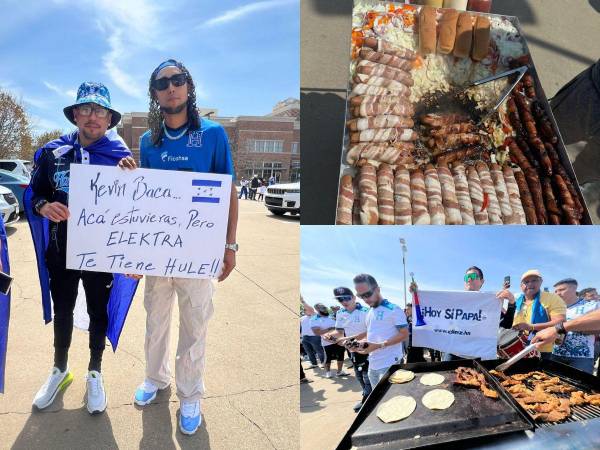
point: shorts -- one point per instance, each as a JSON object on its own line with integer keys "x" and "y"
{"x": 334, "y": 351}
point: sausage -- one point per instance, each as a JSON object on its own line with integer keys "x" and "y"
{"x": 402, "y": 207}
{"x": 447, "y": 31}
{"x": 451, "y": 141}
{"x": 487, "y": 185}
{"x": 481, "y": 38}
{"x": 398, "y": 153}
{"x": 477, "y": 197}
{"x": 542, "y": 154}
{"x": 367, "y": 184}
{"x": 376, "y": 122}
{"x": 464, "y": 35}
{"x": 449, "y": 200}
{"x": 529, "y": 86}
{"x": 385, "y": 194}
{"x": 418, "y": 198}
{"x": 535, "y": 187}
{"x": 439, "y": 120}
{"x": 461, "y": 186}
{"x": 512, "y": 188}
{"x": 456, "y": 155}
{"x": 427, "y": 30}
{"x": 383, "y": 71}
{"x": 383, "y": 58}
{"x": 391, "y": 85}
{"x": 461, "y": 127}
{"x": 375, "y": 109}
{"x": 517, "y": 156}
{"x": 383, "y": 135}
{"x": 434, "y": 196}
{"x": 526, "y": 198}
{"x": 508, "y": 216}
{"x": 383, "y": 46}
{"x": 345, "y": 201}
{"x": 549, "y": 199}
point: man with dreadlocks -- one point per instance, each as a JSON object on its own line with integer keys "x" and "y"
{"x": 178, "y": 139}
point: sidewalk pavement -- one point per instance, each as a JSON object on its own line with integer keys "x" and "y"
{"x": 326, "y": 408}
{"x": 251, "y": 399}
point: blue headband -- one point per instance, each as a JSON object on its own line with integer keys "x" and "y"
{"x": 167, "y": 63}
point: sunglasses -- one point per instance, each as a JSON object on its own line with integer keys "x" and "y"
{"x": 367, "y": 294}
{"x": 343, "y": 298}
{"x": 160, "y": 84}
{"x": 86, "y": 110}
{"x": 471, "y": 276}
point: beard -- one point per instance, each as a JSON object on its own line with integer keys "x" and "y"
{"x": 175, "y": 109}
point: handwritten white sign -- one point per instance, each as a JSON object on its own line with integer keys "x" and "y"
{"x": 459, "y": 322}
{"x": 147, "y": 221}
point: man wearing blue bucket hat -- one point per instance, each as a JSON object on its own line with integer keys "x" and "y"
{"x": 46, "y": 206}
{"x": 179, "y": 139}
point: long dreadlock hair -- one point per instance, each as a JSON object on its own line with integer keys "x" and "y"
{"x": 155, "y": 117}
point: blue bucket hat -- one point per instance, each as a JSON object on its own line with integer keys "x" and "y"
{"x": 90, "y": 92}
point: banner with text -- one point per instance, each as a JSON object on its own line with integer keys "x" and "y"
{"x": 459, "y": 322}
{"x": 147, "y": 221}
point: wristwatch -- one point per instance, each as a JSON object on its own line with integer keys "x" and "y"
{"x": 40, "y": 204}
{"x": 234, "y": 247}
{"x": 560, "y": 328}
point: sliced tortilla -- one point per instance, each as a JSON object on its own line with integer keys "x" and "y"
{"x": 432, "y": 379}
{"x": 401, "y": 376}
{"x": 438, "y": 399}
{"x": 396, "y": 408}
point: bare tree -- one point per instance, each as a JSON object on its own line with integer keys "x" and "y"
{"x": 15, "y": 129}
{"x": 44, "y": 138}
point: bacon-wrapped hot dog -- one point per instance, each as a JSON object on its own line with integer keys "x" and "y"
{"x": 434, "y": 196}
{"x": 370, "y": 68}
{"x": 455, "y": 128}
{"x": 512, "y": 188}
{"x": 384, "y": 58}
{"x": 402, "y": 206}
{"x": 374, "y": 109}
{"x": 385, "y": 194}
{"x": 393, "y": 86}
{"x": 477, "y": 197}
{"x": 449, "y": 200}
{"x": 508, "y": 217}
{"x": 398, "y": 153}
{"x": 345, "y": 201}
{"x": 461, "y": 186}
{"x": 384, "y": 135}
{"x": 367, "y": 184}
{"x": 418, "y": 198}
{"x": 376, "y": 122}
{"x": 383, "y": 46}
{"x": 487, "y": 184}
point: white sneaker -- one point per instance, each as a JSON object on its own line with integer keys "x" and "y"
{"x": 341, "y": 373}
{"x": 145, "y": 393}
{"x": 96, "y": 397}
{"x": 190, "y": 417}
{"x": 56, "y": 382}
{"x": 329, "y": 374}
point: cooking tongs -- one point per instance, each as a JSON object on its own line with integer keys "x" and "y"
{"x": 502, "y": 367}
{"x": 519, "y": 70}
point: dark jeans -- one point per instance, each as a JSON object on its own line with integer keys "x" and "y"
{"x": 361, "y": 370}
{"x": 63, "y": 287}
{"x": 312, "y": 346}
{"x": 252, "y": 193}
{"x": 244, "y": 192}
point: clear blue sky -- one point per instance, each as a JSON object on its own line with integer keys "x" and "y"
{"x": 243, "y": 55}
{"x": 331, "y": 256}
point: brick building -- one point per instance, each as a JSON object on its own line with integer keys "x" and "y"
{"x": 262, "y": 145}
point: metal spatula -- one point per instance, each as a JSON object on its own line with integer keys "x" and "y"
{"x": 502, "y": 367}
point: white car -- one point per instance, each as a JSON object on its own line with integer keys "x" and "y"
{"x": 282, "y": 198}
{"x": 20, "y": 167}
{"x": 9, "y": 206}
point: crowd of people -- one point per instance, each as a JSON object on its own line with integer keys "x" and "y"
{"x": 564, "y": 325}
{"x": 255, "y": 188}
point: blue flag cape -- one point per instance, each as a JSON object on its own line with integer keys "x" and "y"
{"x": 107, "y": 151}
{"x": 4, "y": 306}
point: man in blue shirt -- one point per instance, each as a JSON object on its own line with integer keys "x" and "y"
{"x": 178, "y": 139}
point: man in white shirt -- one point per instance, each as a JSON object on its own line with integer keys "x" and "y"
{"x": 577, "y": 350}
{"x": 321, "y": 325}
{"x": 310, "y": 341}
{"x": 387, "y": 327}
{"x": 350, "y": 322}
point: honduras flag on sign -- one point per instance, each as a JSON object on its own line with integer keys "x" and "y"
{"x": 4, "y": 305}
{"x": 205, "y": 192}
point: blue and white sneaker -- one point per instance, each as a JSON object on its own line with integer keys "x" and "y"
{"x": 190, "y": 417}
{"x": 145, "y": 393}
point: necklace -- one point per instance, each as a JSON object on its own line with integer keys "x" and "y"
{"x": 173, "y": 138}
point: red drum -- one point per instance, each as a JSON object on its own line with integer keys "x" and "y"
{"x": 510, "y": 342}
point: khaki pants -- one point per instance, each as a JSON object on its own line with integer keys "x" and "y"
{"x": 195, "y": 309}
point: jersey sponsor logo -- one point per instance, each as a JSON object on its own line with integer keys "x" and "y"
{"x": 165, "y": 157}
{"x": 61, "y": 181}
{"x": 195, "y": 139}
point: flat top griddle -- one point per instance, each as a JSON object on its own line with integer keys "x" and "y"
{"x": 583, "y": 381}
{"x": 471, "y": 415}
